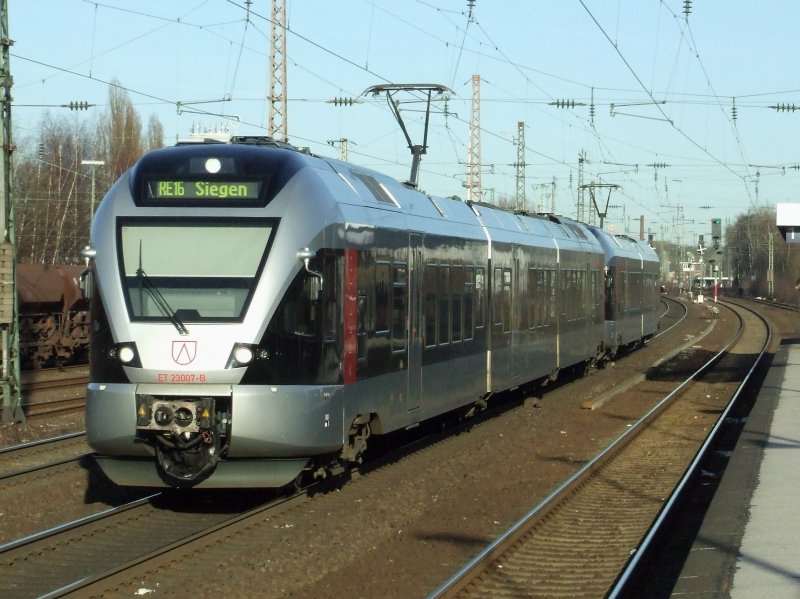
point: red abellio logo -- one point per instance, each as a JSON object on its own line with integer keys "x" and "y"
{"x": 184, "y": 352}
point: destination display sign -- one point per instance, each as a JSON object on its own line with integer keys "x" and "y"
{"x": 203, "y": 190}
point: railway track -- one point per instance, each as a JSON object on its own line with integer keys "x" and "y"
{"x": 207, "y": 532}
{"x": 54, "y": 391}
{"x": 66, "y": 558}
{"x": 578, "y": 540}
{"x": 37, "y": 456}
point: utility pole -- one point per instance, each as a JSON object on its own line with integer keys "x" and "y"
{"x": 9, "y": 306}
{"x": 94, "y": 164}
{"x": 771, "y": 269}
{"x": 278, "y": 126}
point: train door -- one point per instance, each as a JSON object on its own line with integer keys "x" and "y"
{"x": 415, "y": 272}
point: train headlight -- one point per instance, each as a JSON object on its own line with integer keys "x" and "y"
{"x": 126, "y": 354}
{"x": 244, "y": 354}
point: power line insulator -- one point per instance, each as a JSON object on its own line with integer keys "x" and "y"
{"x": 343, "y": 101}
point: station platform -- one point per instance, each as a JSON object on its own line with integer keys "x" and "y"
{"x": 748, "y": 544}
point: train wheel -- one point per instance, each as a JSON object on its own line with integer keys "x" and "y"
{"x": 294, "y": 486}
{"x": 353, "y": 451}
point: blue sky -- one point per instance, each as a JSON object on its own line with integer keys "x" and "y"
{"x": 664, "y": 88}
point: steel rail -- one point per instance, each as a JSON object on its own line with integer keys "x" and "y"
{"x": 461, "y": 578}
{"x": 629, "y": 572}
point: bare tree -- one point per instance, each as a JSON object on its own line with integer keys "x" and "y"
{"x": 154, "y": 137}
{"x": 52, "y": 188}
{"x": 50, "y": 193}
{"x": 119, "y": 132}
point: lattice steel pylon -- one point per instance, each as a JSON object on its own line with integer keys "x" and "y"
{"x": 9, "y": 304}
{"x": 474, "y": 192}
{"x": 580, "y": 210}
{"x": 278, "y": 121}
{"x": 520, "y": 165}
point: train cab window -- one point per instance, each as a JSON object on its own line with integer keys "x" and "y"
{"x": 191, "y": 270}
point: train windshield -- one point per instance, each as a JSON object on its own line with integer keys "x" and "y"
{"x": 191, "y": 272}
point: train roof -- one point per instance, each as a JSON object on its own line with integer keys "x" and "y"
{"x": 624, "y": 246}
{"x": 350, "y": 184}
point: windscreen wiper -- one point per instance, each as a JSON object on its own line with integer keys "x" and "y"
{"x": 145, "y": 282}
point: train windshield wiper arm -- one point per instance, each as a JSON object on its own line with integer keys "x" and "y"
{"x": 145, "y": 282}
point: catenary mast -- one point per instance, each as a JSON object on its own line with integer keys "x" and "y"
{"x": 9, "y": 309}
{"x": 278, "y": 127}
{"x": 474, "y": 192}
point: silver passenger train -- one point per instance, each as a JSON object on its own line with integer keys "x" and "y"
{"x": 259, "y": 312}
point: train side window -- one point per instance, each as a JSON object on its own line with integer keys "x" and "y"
{"x": 457, "y": 295}
{"x": 567, "y": 290}
{"x": 623, "y": 296}
{"x": 497, "y": 294}
{"x": 480, "y": 299}
{"x": 399, "y": 330}
{"x": 361, "y": 332}
{"x": 542, "y": 298}
{"x": 507, "y": 300}
{"x": 444, "y": 304}
{"x": 469, "y": 297}
{"x": 431, "y": 284}
{"x": 382, "y": 273}
{"x": 553, "y": 292}
{"x": 532, "y": 301}
{"x": 523, "y": 293}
